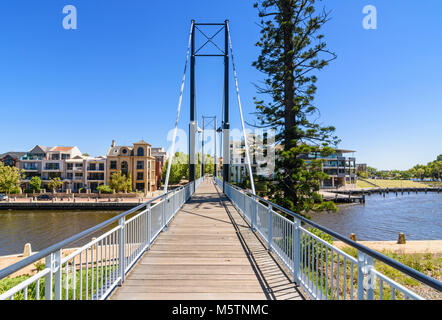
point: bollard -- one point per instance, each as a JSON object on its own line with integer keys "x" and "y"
{"x": 27, "y": 251}
{"x": 353, "y": 236}
{"x": 401, "y": 238}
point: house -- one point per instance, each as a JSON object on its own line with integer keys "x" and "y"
{"x": 136, "y": 160}
{"x": 160, "y": 160}
{"x": 11, "y": 158}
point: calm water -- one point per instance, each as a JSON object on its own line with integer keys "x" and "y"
{"x": 418, "y": 216}
{"x": 44, "y": 228}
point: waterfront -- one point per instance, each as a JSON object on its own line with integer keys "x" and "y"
{"x": 418, "y": 216}
{"x": 44, "y": 228}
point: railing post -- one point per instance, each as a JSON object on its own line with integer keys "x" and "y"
{"x": 296, "y": 243}
{"x": 253, "y": 217}
{"x": 122, "y": 247}
{"x": 163, "y": 213}
{"x": 149, "y": 225}
{"x": 57, "y": 271}
{"x": 270, "y": 230}
{"x": 53, "y": 262}
{"x": 365, "y": 276}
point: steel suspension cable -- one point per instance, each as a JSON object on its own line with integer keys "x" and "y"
{"x": 252, "y": 183}
{"x": 166, "y": 183}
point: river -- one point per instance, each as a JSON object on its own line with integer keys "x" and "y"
{"x": 419, "y": 216}
{"x": 44, "y": 228}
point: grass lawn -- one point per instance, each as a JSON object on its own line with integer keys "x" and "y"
{"x": 396, "y": 183}
{"x": 363, "y": 184}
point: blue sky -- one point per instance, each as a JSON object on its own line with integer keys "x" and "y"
{"x": 118, "y": 75}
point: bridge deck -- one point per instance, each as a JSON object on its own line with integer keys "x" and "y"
{"x": 208, "y": 252}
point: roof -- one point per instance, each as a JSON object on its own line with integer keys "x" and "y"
{"x": 62, "y": 148}
{"x": 13, "y": 154}
{"x": 344, "y": 150}
{"x": 39, "y": 149}
{"x": 115, "y": 150}
{"x": 141, "y": 142}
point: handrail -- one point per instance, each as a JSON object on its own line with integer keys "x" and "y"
{"x": 43, "y": 253}
{"x": 434, "y": 283}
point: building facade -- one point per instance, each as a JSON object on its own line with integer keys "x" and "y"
{"x": 341, "y": 169}
{"x": 67, "y": 163}
{"x": 160, "y": 160}
{"x": 11, "y": 159}
{"x": 136, "y": 160}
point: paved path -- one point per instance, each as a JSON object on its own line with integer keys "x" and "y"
{"x": 208, "y": 252}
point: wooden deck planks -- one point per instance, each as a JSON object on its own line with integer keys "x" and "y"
{"x": 201, "y": 257}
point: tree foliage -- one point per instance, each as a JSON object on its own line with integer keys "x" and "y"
{"x": 179, "y": 168}
{"x": 293, "y": 51}
{"x": 10, "y": 179}
{"x": 433, "y": 171}
{"x": 35, "y": 184}
{"x": 55, "y": 183}
{"x": 120, "y": 182}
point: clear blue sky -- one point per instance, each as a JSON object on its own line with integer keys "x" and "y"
{"x": 118, "y": 75}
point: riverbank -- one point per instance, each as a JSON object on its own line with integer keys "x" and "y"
{"x": 415, "y": 246}
{"x": 65, "y": 205}
{"x": 69, "y": 203}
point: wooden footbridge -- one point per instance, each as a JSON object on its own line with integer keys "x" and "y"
{"x": 208, "y": 252}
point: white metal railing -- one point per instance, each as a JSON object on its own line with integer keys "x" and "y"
{"x": 94, "y": 270}
{"x": 323, "y": 270}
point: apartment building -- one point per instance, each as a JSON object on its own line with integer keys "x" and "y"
{"x": 341, "y": 169}
{"x": 262, "y": 161}
{"x": 136, "y": 160}
{"x": 67, "y": 163}
{"x": 11, "y": 158}
{"x": 160, "y": 160}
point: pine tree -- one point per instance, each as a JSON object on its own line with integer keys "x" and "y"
{"x": 292, "y": 53}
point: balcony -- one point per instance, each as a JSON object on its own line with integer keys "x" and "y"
{"x": 32, "y": 158}
{"x": 30, "y": 168}
{"x": 74, "y": 169}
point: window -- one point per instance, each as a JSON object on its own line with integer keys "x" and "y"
{"x": 52, "y": 166}
{"x": 70, "y": 166}
{"x": 55, "y": 157}
{"x": 140, "y": 175}
{"x": 65, "y": 156}
{"x": 140, "y": 152}
{"x": 124, "y": 151}
{"x": 140, "y": 165}
{"x": 113, "y": 164}
{"x": 139, "y": 186}
{"x": 101, "y": 165}
{"x": 124, "y": 168}
{"x": 92, "y": 167}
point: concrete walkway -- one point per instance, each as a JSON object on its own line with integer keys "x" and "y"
{"x": 208, "y": 252}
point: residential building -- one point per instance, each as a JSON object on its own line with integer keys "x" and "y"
{"x": 160, "y": 160}
{"x": 341, "y": 169}
{"x": 136, "y": 160}
{"x": 262, "y": 161}
{"x": 11, "y": 158}
{"x": 67, "y": 163}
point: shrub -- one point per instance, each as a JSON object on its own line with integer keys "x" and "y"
{"x": 104, "y": 189}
